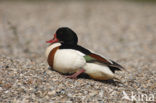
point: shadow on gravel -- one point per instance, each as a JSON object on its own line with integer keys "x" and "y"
{"x": 85, "y": 76}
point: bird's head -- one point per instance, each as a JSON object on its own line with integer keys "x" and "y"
{"x": 64, "y": 35}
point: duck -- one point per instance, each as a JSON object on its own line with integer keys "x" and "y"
{"x": 65, "y": 56}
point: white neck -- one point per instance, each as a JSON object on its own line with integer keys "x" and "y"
{"x": 51, "y": 47}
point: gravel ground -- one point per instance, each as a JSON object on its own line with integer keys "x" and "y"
{"x": 123, "y": 31}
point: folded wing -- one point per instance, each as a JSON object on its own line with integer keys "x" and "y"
{"x": 97, "y": 58}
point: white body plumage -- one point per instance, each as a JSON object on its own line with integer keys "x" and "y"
{"x": 69, "y": 61}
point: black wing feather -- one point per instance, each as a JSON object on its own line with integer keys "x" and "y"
{"x": 115, "y": 66}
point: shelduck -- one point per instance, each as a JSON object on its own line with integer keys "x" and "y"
{"x": 66, "y": 56}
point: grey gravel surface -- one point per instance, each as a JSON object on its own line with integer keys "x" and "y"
{"x": 120, "y": 30}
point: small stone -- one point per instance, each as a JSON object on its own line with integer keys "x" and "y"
{"x": 7, "y": 66}
{"x": 51, "y": 93}
{"x": 1, "y": 88}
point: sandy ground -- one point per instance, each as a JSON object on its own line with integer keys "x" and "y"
{"x": 122, "y": 31}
